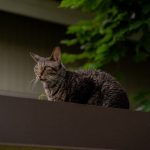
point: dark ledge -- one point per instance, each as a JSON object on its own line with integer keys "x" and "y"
{"x": 65, "y": 125}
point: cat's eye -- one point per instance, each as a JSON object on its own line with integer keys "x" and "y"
{"x": 51, "y": 68}
{"x": 51, "y": 72}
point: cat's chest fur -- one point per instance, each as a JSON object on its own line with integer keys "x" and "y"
{"x": 73, "y": 87}
{"x": 77, "y": 87}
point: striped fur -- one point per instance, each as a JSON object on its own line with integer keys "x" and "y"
{"x": 94, "y": 87}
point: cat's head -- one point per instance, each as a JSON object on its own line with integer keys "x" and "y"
{"x": 47, "y": 69}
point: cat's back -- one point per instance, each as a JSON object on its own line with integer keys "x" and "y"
{"x": 102, "y": 79}
{"x": 107, "y": 89}
{"x": 97, "y": 75}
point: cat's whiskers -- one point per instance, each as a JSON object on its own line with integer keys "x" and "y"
{"x": 30, "y": 83}
{"x": 33, "y": 83}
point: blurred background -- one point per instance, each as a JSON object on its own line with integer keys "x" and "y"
{"x": 112, "y": 35}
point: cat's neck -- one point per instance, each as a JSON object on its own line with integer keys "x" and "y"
{"x": 54, "y": 85}
{"x": 61, "y": 79}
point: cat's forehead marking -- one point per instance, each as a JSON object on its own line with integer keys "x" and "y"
{"x": 41, "y": 63}
{"x": 46, "y": 62}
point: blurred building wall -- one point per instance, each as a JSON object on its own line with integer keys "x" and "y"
{"x": 18, "y": 36}
{"x": 47, "y": 10}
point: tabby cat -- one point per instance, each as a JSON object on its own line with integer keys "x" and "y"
{"x": 93, "y": 87}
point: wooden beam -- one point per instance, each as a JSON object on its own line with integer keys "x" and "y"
{"x": 44, "y": 10}
{"x": 66, "y": 125}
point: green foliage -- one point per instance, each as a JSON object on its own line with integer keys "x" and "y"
{"x": 118, "y": 27}
{"x": 142, "y": 101}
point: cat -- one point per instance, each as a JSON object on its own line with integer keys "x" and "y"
{"x": 93, "y": 87}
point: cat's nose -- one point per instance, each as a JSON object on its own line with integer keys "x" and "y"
{"x": 41, "y": 78}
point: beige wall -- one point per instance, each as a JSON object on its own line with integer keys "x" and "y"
{"x": 18, "y": 36}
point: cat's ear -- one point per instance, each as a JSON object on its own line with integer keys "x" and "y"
{"x": 56, "y": 54}
{"x": 35, "y": 57}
